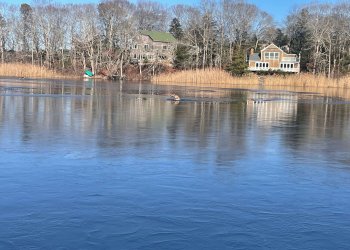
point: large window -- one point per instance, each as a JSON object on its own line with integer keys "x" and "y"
{"x": 262, "y": 65}
{"x": 287, "y": 66}
{"x": 271, "y": 55}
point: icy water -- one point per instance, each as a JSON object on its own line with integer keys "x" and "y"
{"x": 99, "y": 165}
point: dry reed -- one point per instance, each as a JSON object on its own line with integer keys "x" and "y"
{"x": 307, "y": 80}
{"x": 204, "y": 78}
{"x": 220, "y": 79}
{"x": 27, "y": 70}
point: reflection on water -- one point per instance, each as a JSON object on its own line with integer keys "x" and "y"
{"x": 118, "y": 165}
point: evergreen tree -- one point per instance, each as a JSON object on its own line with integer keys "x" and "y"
{"x": 300, "y": 38}
{"x": 238, "y": 66}
{"x": 27, "y": 19}
{"x": 281, "y": 39}
{"x": 175, "y": 29}
{"x": 182, "y": 57}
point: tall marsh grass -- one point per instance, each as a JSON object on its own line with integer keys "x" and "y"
{"x": 27, "y": 70}
{"x": 307, "y": 80}
{"x": 204, "y": 78}
{"x": 219, "y": 78}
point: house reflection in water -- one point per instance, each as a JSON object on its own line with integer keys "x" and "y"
{"x": 272, "y": 109}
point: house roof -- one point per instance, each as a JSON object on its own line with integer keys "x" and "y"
{"x": 254, "y": 57}
{"x": 272, "y": 46}
{"x": 157, "y": 36}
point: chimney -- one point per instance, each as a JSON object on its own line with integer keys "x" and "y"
{"x": 251, "y": 51}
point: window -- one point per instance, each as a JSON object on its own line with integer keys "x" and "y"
{"x": 271, "y": 55}
{"x": 135, "y": 56}
{"x": 261, "y": 65}
{"x": 165, "y": 47}
{"x": 135, "y": 46}
{"x": 146, "y": 46}
{"x": 287, "y": 66}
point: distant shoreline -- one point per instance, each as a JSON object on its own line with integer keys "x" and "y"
{"x": 214, "y": 78}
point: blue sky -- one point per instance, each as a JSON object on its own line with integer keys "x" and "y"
{"x": 277, "y": 8}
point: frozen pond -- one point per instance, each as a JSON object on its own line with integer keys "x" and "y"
{"x": 100, "y": 165}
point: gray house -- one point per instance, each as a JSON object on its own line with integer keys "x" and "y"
{"x": 153, "y": 47}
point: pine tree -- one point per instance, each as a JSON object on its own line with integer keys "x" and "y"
{"x": 300, "y": 39}
{"x": 182, "y": 57}
{"x": 281, "y": 39}
{"x": 238, "y": 66}
{"x": 175, "y": 29}
{"x": 27, "y": 19}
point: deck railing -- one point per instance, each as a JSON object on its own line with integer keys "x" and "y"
{"x": 293, "y": 70}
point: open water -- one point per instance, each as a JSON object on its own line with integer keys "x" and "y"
{"x": 101, "y": 165}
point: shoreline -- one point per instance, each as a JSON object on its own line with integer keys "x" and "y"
{"x": 216, "y": 78}
{"x": 324, "y": 91}
{"x": 329, "y": 91}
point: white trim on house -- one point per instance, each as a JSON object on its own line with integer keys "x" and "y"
{"x": 272, "y": 45}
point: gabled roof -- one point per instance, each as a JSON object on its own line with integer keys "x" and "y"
{"x": 272, "y": 46}
{"x": 254, "y": 57}
{"x": 157, "y": 36}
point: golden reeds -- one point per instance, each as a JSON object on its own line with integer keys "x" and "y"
{"x": 26, "y": 70}
{"x": 296, "y": 83}
{"x": 207, "y": 77}
{"x": 307, "y": 80}
{"x": 220, "y": 78}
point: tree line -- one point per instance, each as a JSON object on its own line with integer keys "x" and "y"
{"x": 220, "y": 34}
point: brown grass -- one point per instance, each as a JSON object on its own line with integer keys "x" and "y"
{"x": 296, "y": 83}
{"x": 307, "y": 80}
{"x": 27, "y": 70}
{"x": 205, "y": 78}
{"x": 220, "y": 78}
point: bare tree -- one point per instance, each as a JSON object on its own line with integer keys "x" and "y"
{"x": 119, "y": 28}
{"x": 264, "y": 28}
{"x": 99, "y": 36}
{"x": 3, "y": 34}
{"x": 152, "y": 16}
